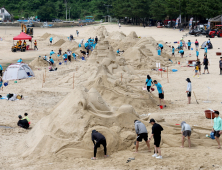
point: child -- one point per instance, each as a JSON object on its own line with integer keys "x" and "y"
{"x": 173, "y": 51}
{"x": 196, "y": 70}
{"x": 189, "y": 44}
{"x": 159, "y": 51}
{"x": 1, "y": 83}
{"x": 181, "y": 53}
{"x": 74, "y": 56}
{"x": 197, "y": 53}
{"x": 205, "y": 51}
{"x": 26, "y": 117}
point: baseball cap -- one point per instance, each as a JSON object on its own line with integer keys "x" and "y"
{"x": 152, "y": 120}
{"x": 188, "y": 79}
{"x": 19, "y": 116}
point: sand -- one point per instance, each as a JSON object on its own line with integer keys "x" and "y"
{"x": 107, "y": 96}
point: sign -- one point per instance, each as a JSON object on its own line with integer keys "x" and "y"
{"x": 208, "y": 25}
{"x": 190, "y": 23}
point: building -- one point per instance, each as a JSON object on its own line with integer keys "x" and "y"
{"x": 215, "y": 21}
{"x": 5, "y": 15}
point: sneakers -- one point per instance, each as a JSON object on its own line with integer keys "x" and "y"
{"x": 155, "y": 155}
{"x": 159, "y": 157}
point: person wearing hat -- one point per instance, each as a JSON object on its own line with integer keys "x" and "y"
{"x": 186, "y": 132}
{"x": 141, "y": 133}
{"x": 189, "y": 90}
{"x": 23, "y": 122}
{"x": 217, "y": 128}
{"x": 220, "y": 65}
{"x": 100, "y": 140}
{"x": 156, "y": 134}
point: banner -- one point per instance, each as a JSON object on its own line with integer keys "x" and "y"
{"x": 190, "y": 23}
{"x": 177, "y": 22}
{"x": 208, "y": 25}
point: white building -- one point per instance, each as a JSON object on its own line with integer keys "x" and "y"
{"x": 4, "y": 15}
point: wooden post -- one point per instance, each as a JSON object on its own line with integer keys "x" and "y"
{"x": 73, "y": 79}
{"x": 121, "y": 77}
{"x": 161, "y": 72}
{"x": 42, "y": 80}
{"x": 167, "y": 75}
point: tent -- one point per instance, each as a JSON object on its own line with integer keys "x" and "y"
{"x": 210, "y": 46}
{"x": 18, "y": 71}
{"x": 22, "y": 36}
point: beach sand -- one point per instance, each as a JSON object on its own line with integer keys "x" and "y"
{"x": 107, "y": 96}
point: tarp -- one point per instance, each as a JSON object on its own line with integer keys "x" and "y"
{"x": 22, "y": 36}
{"x": 209, "y": 46}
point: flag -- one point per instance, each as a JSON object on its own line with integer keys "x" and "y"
{"x": 190, "y": 23}
{"x": 177, "y": 21}
{"x": 208, "y": 25}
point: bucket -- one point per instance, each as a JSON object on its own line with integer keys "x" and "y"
{"x": 160, "y": 69}
{"x": 191, "y": 48}
{"x": 161, "y": 107}
{"x": 218, "y": 53}
{"x": 208, "y": 114}
{"x": 178, "y": 62}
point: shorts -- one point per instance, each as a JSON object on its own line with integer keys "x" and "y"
{"x": 148, "y": 88}
{"x": 51, "y": 62}
{"x": 196, "y": 71}
{"x": 189, "y": 94}
{"x": 199, "y": 68}
{"x": 172, "y": 53}
{"x": 206, "y": 67}
{"x": 188, "y": 47}
{"x": 216, "y": 133}
{"x": 51, "y": 42}
{"x": 161, "y": 48}
{"x": 182, "y": 53}
{"x": 157, "y": 141}
{"x": 142, "y": 136}
{"x": 187, "y": 133}
{"x": 197, "y": 46}
{"x": 161, "y": 95}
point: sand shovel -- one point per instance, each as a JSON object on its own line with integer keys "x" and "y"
{"x": 195, "y": 97}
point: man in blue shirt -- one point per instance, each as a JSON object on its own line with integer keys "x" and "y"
{"x": 1, "y": 69}
{"x": 50, "y": 40}
{"x": 117, "y": 51}
{"x": 52, "y": 52}
{"x": 181, "y": 44}
{"x": 160, "y": 91}
{"x": 205, "y": 50}
{"x": 197, "y": 53}
{"x": 189, "y": 44}
{"x": 161, "y": 46}
{"x": 19, "y": 61}
{"x": 181, "y": 53}
{"x": 51, "y": 61}
{"x": 217, "y": 128}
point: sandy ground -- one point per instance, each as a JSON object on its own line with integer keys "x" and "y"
{"x": 40, "y": 102}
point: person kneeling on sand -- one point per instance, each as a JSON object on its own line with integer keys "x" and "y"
{"x": 181, "y": 53}
{"x": 156, "y": 134}
{"x": 100, "y": 140}
{"x": 23, "y": 122}
{"x": 27, "y": 118}
{"x": 51, "y": 61}
{"x": 186, "y": 132}
{"x": 141, "y": 133}
{"x": 217, "y": 128}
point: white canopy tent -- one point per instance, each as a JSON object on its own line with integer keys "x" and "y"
{"x": 18, "y": 71}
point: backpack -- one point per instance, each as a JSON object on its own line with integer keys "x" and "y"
{"x": 196, "y": 43}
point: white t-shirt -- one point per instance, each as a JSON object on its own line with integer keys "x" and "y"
{"x": 69, "y": 52}
{"x": 189, "y": 87}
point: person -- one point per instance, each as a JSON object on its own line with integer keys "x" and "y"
{"x": 186, "y": 132}
{"x": 19, "y": 61}
{"x": 220, "y": 65}
{"x": 96, "y": 39}
{"x": 197, "y": 53}
{"x": 1, "y": 70}
{"x": 189, "y": 90}
{"x": 60, "y": 51}
{"x": 156, "y": 134}
{"x": 24, "y": 43}
{"x": 17, "y": 44}
{"x": 45, "y": 58}
{"x": 100, "y": 140}
{"x": 51, "y": 61}
{"x": 118, "y": 50}
{"x": 86, "y": 44}
{"x": 217, "y": 128}
{"x": 23, "y": 122}
{"x": 20, "y": 43}
{"x": 81, "y": 41}
{"x": 71, "y": 37}
{"x": 74, "y": 56}
{"x": 148, "y": 83}
{"x": 196, "y": 70}
{"x": 173, "y": 51}
{"x": 208, "y": 42}
{"x": 94, "y": 45}
{"x": 119, "y": 25}
{"x": 189, "y": 44}
{"x": 35, "y": 45}
{"x": 1, "y": 83}
{"x": 206, "y": 63}
{"x": 83, "y": 54}
{"x": 205, "y": 50}
{"x": 77, "y": 33}
{"x": 69, "y": 53}
{"x": 51, "y": 53}
{"x": 159, "y": 52}
{"x": 160, "y": 91}
{"x": 50, "y": 40}
{"x": 160, "y": 46}
{"x": 141, "y": 133}
{"x": 199, "y": 65}
{"x": 181, "y": 44}
{"x": 196, "y": 44}
{"x": 65, "y": 57}
{"x": 181, "y": 53}
{"x": 27, "y": 118}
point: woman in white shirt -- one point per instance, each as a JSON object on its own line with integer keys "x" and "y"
{"x": 189, "y": 89}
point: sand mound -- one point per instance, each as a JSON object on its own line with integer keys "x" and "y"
{"x": 132, "y": 35}
{"x": 70, "y": 45}
{"x": 116, "y": 35}
{"x": 46, "y": 35}
{"x": 59, "y": 42}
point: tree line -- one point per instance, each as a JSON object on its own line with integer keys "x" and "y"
{"x": 137, "y": 9}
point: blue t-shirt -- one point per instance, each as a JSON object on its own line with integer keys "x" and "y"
{"x": 173, "y": 50}
{"x": 52, "y": 61}
{"x": 117, "y": 51}
{"x": 160, "y": 45}
{"x": 148, "y": 82}
{"x": 52, "y": 52}
{"x": 19, "y": 61}
{"x": 1, "y": 83}
{"x": 189, "y": 44}
{"x": 159, "y": 52}
{"x": 159, "y": 86}
{"x": 1, "y": 67}
{"x": 45, "y": 57}
{"x": 86, "y": 44}
{"x": 181, "y": 51}
{"x": 79, "y": 45}
{"x": 181, "y": 44}
{"x": 205, "y": 49}
{"x": 74, "y": 55}
{"x": 66, "y": 56}
{"x": 58, "y": 55}
{"x": 197, "y": 53}
{"x": 50, "y": 39}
